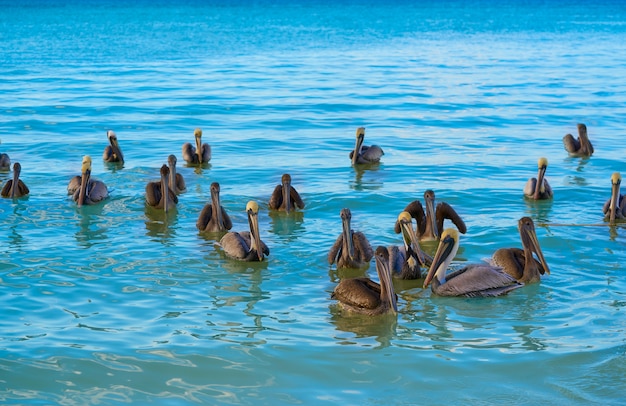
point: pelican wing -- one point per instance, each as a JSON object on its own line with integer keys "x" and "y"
{"x": 6, "y": 189}
{"x": 153, "y": 193}
{"x": 180, "y": 182}
{"x": 206, "y": 152}
{"x": 205, "y": 217}
{"x": 235, "y": 245}
{"x": 478, "y": 280}
{"x": 416, "y": 210}
{"x": 371, "y": 154}
{"x": 360, "y": 293}
{"x": 362, "y": 249}
{"x": 226, "y": 219}
{"x": 74, "y": 185}
{"x": 297, "y": 200}
{"x": 571, "y": 144}
{"x": 97, "y": 191}
{"x": 445, "y": 211}
{"x": 189, "y": 153}
{"x": 335, "y": 251}
{"x": 529, "y": 189}
{"x": 276, "y": 200}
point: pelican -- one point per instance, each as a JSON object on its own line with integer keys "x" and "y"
{"x": 201, "y": 154}
{"x": 89, "y": 191}
{"x": 430, "y": 223}
{"x": 405, "y": 262}
{"x": 113, "y": 152}
{"x": 520, "y": 263}
{"x": 176, "y": 180}
{"x": 362, "y": 295}
{"x": 285, "y": 196}
{"x": 363, "y": 154}
{"x": 615, "y": 207}
{"x": 15, "y": 188}
{"x": 5, "y": 162}
{"x": 158, "y": 193}
{"x": 246, "y": 246}
{"x": 213, "y": 218}
{"x": 539, "y": 189}
{"x": 580, "y": 147}
{"x": 472, "y": 280}
{"x": 351, "y": 250}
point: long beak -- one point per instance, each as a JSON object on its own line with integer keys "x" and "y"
{"x": 217, "y": 206}
{"x": 16, "y": 180}
{"x": 430, "y": 213}
{"x": 255, "y": 238}
{"x": 386, "y": 285}
{"x": 614, "y": 199}
{"x": 536, "y": 248}
{"x": 440, "y": 260}
{"x": 347, "y": 236}
{"x": 357, "y": 148}
{"x": 539, "y": 187}
{"x": 287, "y": 196}
{"x": 116, "y": 149}
{"x": 410, "y": 241}
{"x": 199, "y": 148}
{"x": 83, "y": 187}
{"x": 165, "y": 190}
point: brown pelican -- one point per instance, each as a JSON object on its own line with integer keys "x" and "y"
{"x": 430, "y": 223}
{"x": 405, "y": 262}
{"x": 285, "y": 196}
{"x": 520, "y": 263}
{"x": 351, "y": 250}
{"x": 200, "y": 154}
{"x": 363, "y": 154}
{"x": 362, "y": 295}
{"x": 159, "y": 195}
{"x": 213, "y": 218}
{"x": 246, "y": 246}
{"x": 89, "y": 191}
{"x": 539, "y": 189}
{"x": 472, "y": 280}
{"x": 113, "y": 152}
{"x": 5, "y": 162}
{"x": 15, "y": 188}
{"x": 615, "y": 207}
{"x": 176, "y": 180}
{"x": 580, "y": 147}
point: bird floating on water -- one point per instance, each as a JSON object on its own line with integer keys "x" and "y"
{"x": 213, "y": 217}
{"x": 363, "y": 154}
{"x": 364, "y": 296}
{"x": 615, "y": 207}
{"x": 200, "y": 154}
{"x": 539, "y": 188}
{"x": 285, "y": 197}
{"x": 5, "y": 162}
{"x": 405, "y": 262}
{"x": 176, "y": 180}
{"x": 158, "y": 193}
{"x": 474, "y": 280}
{"x": 15, "y": 188}
{"x": 84, "y": 189}
{"x": 351, "y": 249}
{"x": 581, "y": 146}
{"x": 246, "y": 245}
{"x": 113, "y": 152}
{"x": 430, "y": 222}
{"x": 520, "y": 263}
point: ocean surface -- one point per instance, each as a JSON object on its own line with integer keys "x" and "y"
{"x": 118, "y": 303}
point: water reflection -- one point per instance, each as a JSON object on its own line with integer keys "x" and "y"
{"x": 91, "y": 225}
{"x": 382, "y": 327}
{"x": 287, "y": 225}
{"x": 198, "y": 168}
{"x": 160, "y": 225}
{"x": 113, "y": 166}
{"x": 539, "y": 210}
{"x": 371, "y": 182}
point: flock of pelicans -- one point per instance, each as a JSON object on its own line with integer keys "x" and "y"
{"x": 510, "y": 268}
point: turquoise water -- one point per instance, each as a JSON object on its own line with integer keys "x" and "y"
{"x": 115, "y": 303}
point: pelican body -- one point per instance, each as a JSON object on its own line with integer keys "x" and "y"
{"x": 15, "y": 188}
{"x": 405, "y": 262}
{"x": 363, "y": 154}
{"x": 430, "y": 222}
{"x": 520, "y": 263}
{"x": 285, "y": 197}
{"x": 475, "y": 280}
{"x": 113, "y": 152}
{"x": 84, "y": 189}
{"x": 213, "y": 218}
{"x": 364, "y": 296}
{"x": 615, "y": 207}
{"x": 176, "y": 180}
{"x": 5, "y": 162}
{"x": 351, "y": 249}
{"x": 246, "y": 246}
{"x": 159, "y": 195}
{"x": 580, "y": 147}
{"x": 200, "y": 154}
{"x": 539, "y": 188}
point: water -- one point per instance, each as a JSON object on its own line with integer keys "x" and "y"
{"x": 115, "y": 303}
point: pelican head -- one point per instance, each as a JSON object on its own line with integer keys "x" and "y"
{"x": 252, "y": 208}
{"x": 526, "y": 228}
{"x": 111, "y": 135}
{"x": 86, "y": 165}
{"x": 448, "y": 247}
{"x": 616, "y": 181}
{"x": 408, "y": 236}
{"x": 197, "y": 133}
{"x": 542, "y": 165}
{"x": 346, "y": 216}
{"x": 171, "y": 160}
{"x": 387, "y": 294}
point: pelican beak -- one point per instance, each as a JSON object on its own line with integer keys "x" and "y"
{"x": 430, "y": 212}
{"x": 198, "y": 135}
{"x": 215, "y": 200}
{"x": 360, "y": 136}
{"x": 540, "y": 175}
{"x": 386, "y": 284}
{"x": 16, "y": 178}
{"x": 439, "y": 260}
{"x": 255, "y": 238}
{"x": 410, "y": 240}
{"x": 116, "y": 148}
{"x": 83, "y": 187}
{"x": 614, "y": 200}
{"x": 536, "y": 248}
{"x": 347, "y": 235}
{"x": 287, "y": 196}
{"x": 165, "y": 189}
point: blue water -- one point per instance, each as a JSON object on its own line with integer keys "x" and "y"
{"x": 115, "y": 303}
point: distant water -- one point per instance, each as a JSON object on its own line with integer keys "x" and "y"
{"x": 115, "y": 303}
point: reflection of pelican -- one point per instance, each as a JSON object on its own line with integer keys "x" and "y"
{"x": 363, "y": 154}
{"x": 159, "y": 195}
{"x": 615, "y": 207}
{"x": 199, "y": 154}
{"x": 430, "y": 222}
{"x": 470, "y": 281}
{"x": 213, "y": 218}
{"x": 113, "y": 152}
{"x": 362, "y": 295}
{"x": 538, "y": 188}
{"x": 520, "y": 263}
{"x": 5, "y": 162}
{"x": 580, "y": 147}
{"x": 176, "y": 180}
{"x": 351, "y": 250}
{"x": 285, "y": 196}
{"x": 246, "y": 246}
{"x": 405, "y": 261}
{"x": 89, "y": 191}
{"x": 15, "y": 188}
